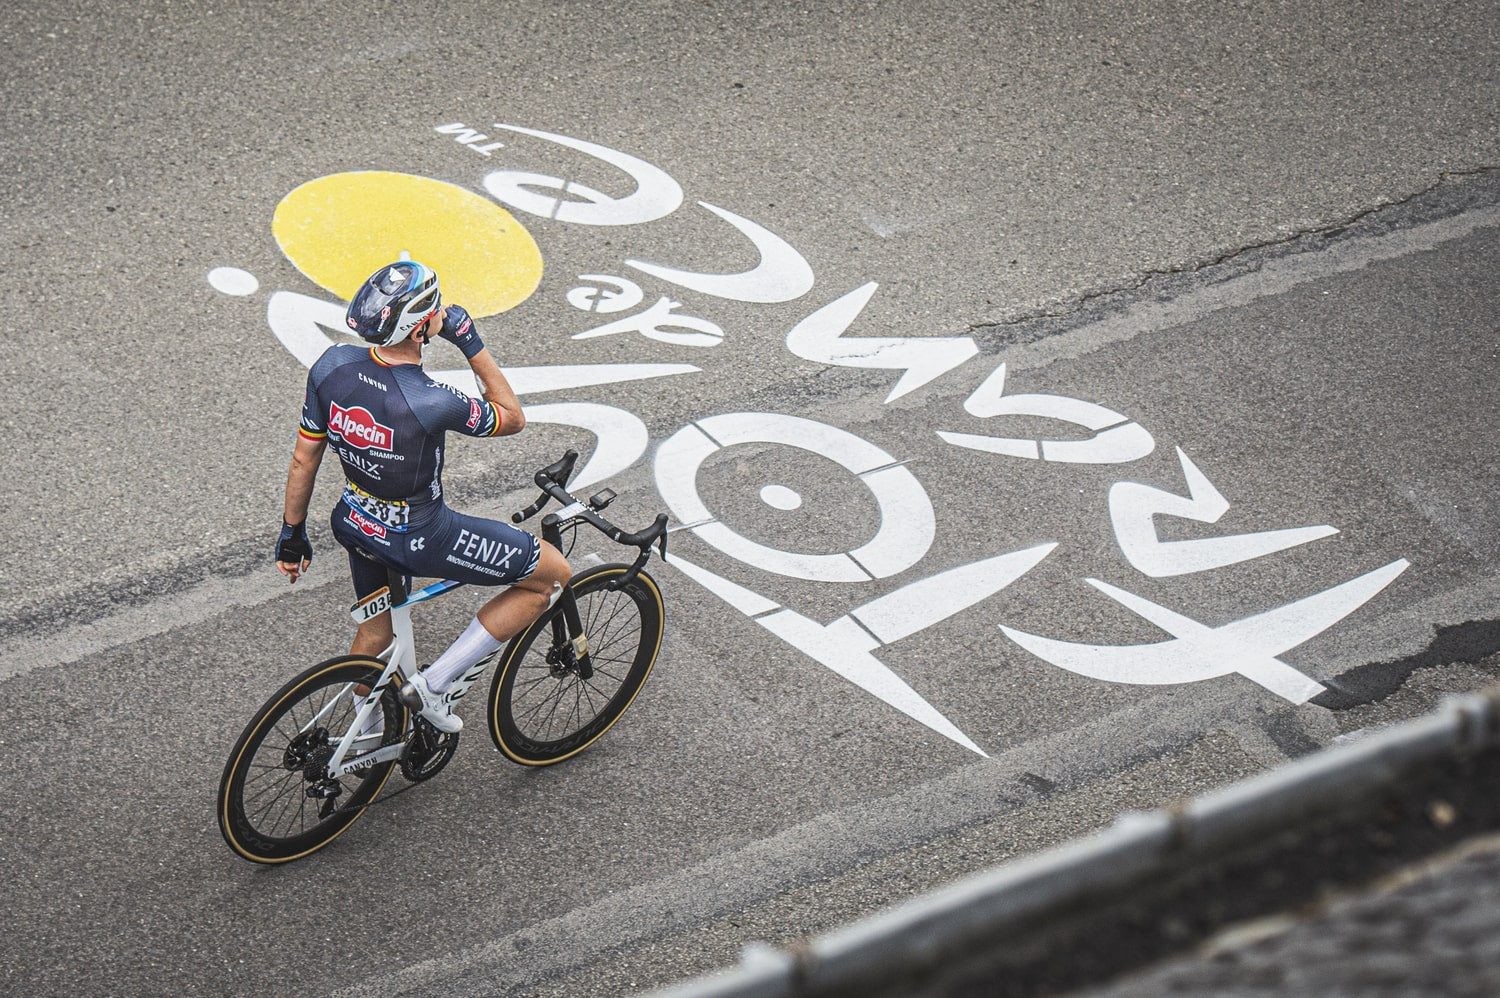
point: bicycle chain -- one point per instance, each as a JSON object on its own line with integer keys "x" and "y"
{"x": 448, "y": 746}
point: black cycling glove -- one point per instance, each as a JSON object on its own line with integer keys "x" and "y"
{"x": 459, "y": 330}
{"x": 293, "y": 547}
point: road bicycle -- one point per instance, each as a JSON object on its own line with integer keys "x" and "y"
{"x": 320, "y": 750}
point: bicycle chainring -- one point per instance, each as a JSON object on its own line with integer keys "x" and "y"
{"x": 427, "y": 751}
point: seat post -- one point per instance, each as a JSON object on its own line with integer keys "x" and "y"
{"x": 400, "y": 586}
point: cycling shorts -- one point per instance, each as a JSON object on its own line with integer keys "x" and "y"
{"x": 448, "y": 545}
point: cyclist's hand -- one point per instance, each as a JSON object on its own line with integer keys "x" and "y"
{"x": 459, "y": 330}
{"x": 293, "y": 550}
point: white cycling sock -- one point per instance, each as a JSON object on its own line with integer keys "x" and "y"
{"x": 472, "y": 645}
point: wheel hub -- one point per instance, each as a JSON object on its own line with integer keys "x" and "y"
{"x": 300, "y": 750}
{"x": 561, "y": 660}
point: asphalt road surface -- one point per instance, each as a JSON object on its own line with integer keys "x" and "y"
{"x": 1060, "y": 411}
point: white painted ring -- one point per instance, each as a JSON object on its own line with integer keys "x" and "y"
{"x": 907, "y": 522}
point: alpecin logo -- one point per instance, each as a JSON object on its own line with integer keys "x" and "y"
{"x": 359, "y": 428}
{"x": 366, "y": 526}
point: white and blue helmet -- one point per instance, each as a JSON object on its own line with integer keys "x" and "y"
{"x": 395, "y": 299}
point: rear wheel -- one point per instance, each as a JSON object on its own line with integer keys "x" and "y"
{"x": 543, "y": 707}
{"x": 275, "y": 802}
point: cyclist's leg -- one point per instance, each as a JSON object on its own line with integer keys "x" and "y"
{"x": 374, "y": 635}
{"x": 488, "y": 552}
{"x": 508, "y": 613}
{"x": 368, "y": 575}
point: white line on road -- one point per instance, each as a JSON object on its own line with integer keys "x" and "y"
{"x": 828, "y": 845}
{"x": 202, "y": 602}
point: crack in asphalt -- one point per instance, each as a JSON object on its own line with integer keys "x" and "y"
{"x": 1080, "y": 304}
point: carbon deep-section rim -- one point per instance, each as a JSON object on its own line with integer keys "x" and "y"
{"x": 265, "y": 813}
{"x": 540, "y": 710}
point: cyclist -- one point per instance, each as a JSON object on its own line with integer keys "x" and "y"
{"x": 387, "y": 420}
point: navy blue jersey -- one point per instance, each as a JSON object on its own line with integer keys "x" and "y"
{"x": 386, "y": 423}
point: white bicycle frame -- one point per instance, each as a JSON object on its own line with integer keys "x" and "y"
{"x": 401, "y": 656}
{"x": 401, "y": 664}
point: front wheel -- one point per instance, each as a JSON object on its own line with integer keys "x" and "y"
{"x": 275, "y": 802}
{"x": 542, "y": 709}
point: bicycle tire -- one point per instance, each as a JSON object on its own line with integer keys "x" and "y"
{"x": 624, "y": 629}
{"x": 265, "y": 814}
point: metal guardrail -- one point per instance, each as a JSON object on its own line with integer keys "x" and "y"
{"x": 1020, "y": 895}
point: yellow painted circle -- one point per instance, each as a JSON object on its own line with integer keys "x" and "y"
{"x": 340, "y": 229}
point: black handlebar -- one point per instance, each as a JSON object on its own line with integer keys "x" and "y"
{"x": 654, "y": 534}
{"x": 553, "y": 479}
{"x": 556, "y": 474}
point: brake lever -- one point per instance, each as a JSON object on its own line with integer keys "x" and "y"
{"x": 559, "y": 472}
{"x": 660, "y": 529}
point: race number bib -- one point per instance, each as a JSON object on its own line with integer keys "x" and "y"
{"x": 393, "y": 513}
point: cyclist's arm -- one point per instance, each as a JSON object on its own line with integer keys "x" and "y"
{"x": 497, "y": 392}
{"x": 306, "y": 457}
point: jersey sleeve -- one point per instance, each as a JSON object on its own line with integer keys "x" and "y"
{"x": 444, "y": 407}
{"x": 314, "y": 422}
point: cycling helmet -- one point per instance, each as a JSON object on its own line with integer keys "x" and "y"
{"x": 394, "y": 301}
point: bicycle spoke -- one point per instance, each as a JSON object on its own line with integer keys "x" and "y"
{"x": 278, "y": 814}
{"x": 600, "y": 628}
{"x": 573, "y": 714}
{"x": 275, "y": 805}
{"x": 523, "y": 686}
{"x": 588, "y": 686}
{"x": 545, "y": 712}
{"x": 555, "y": 700}
{"x": 266, "y": 813}
{"x": 273, "y": 785}
{"x": 582, "y": 692}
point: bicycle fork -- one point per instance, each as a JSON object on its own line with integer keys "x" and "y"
{"x": 570, "y": 645}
